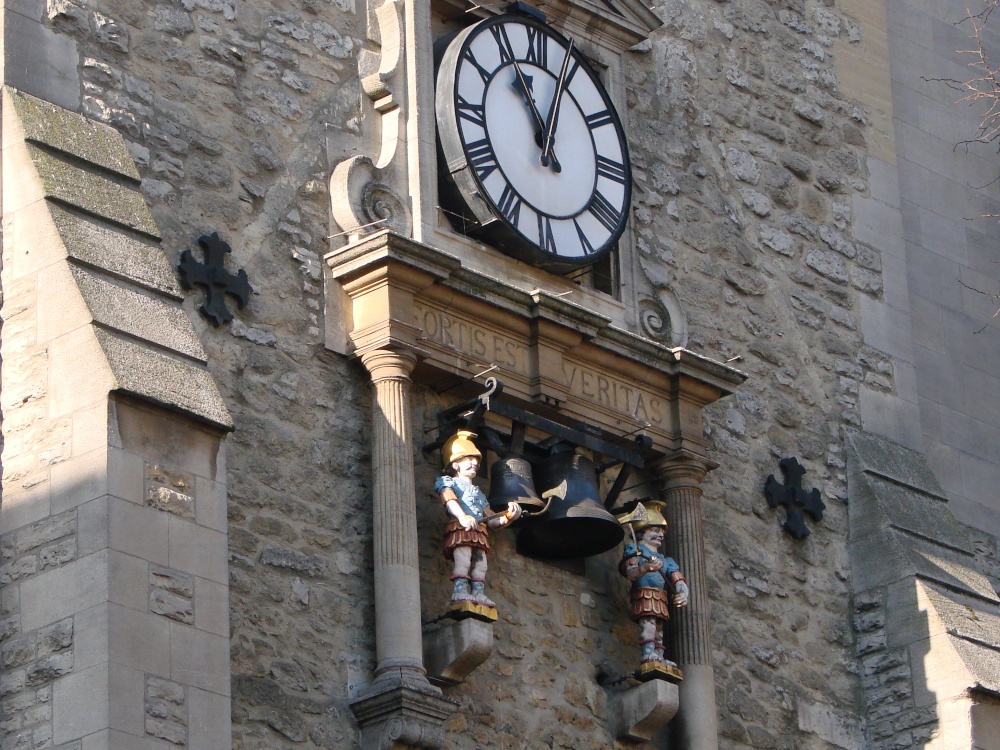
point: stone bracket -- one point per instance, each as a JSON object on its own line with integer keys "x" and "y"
{"x": 639, "y": 712}
{"x": 402, "y": 717}
{"x": 453, "y": 652}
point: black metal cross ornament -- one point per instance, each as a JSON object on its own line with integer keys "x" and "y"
{"x": 212, "y": 275}
{"x": 794, "y": 499}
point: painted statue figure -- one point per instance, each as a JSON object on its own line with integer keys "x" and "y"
{"x": 466, "y": 540}
{"x": 650, "y": 571}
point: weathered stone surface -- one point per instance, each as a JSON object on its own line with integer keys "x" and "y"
{"x": 146, "y": 318}
{"x": 164, "y": 380}
{"x": 91, "y": 192}
{"x": 115, "y": 251}
{"x": 170, "y": 605}
{"x": 170, "y": 501}
{"x": 286, "y": 558}
{"x": 67, "y": 131}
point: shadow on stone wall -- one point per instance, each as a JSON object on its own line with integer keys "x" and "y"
{"x": 927, "y": 621}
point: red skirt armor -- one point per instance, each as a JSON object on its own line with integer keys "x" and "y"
{"x": 456, "y": 536}
{"x": 650, "y": 603}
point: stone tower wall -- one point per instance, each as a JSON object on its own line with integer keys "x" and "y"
{"x": 750, "y": 124}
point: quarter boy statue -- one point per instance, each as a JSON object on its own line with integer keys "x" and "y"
{"x": 649, "y": 571}
{"x": 466, "y": 539}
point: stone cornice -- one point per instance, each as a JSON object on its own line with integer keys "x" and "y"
{"x": 552, "y": 354}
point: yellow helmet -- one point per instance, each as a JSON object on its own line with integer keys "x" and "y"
{"x": 459, "y": 446}
{"x": 653, "y": 516}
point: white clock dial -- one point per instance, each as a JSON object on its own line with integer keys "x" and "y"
{"x": 533, "y": 150}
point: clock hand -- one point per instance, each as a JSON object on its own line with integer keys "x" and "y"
{"x": 550, "y": 126}
{"x": 520, "y": 84}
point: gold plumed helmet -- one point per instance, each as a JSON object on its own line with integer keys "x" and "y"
{"x": 459, "y": 446}
{"x": 645, "y": 515}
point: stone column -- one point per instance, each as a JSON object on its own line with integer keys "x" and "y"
{"x": 394, "y": 518}
{"x": 690, "y": 644}
{"x": 400, "y": 708}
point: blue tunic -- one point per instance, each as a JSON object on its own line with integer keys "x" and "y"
{"x": 656, "y": 579}
{"x": 470, "y": 497}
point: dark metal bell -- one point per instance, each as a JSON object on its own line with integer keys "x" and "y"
{"x": 575, "y": 524}
{"x": 511, "y": 482}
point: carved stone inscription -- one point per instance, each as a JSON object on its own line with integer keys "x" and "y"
{"x": 476, "y": 341}
{"x": 615, "y": 394}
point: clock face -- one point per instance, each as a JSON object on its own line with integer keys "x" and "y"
{"x": 534, "y": 155}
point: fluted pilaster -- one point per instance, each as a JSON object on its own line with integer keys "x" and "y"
{"x": 690, "y": 639}
{"x": 400, "y": 709}
{"x": 394, "y": 516}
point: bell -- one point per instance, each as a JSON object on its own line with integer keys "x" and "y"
{"x": 511, "y": 482}
{"x": 575, "y": 523}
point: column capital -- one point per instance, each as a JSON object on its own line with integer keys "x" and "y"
{"x": 389, "y": 364}
{"x": 681, "y": 471}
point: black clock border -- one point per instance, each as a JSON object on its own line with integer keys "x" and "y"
{"x": 464, "y": 198}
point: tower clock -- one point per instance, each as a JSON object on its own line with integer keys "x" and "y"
{"x": 534, "y": 157}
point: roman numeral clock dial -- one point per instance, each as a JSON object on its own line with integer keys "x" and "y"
{"x": 533, "y": 154}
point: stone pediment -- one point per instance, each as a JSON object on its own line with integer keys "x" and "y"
{"x": 620, "y": 23}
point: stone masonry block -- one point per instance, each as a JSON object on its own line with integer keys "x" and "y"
{"x": 55, "y": 637}
{"x": 831, "y": 724}
{"x": 49, "y": 668}
{"x": 90, "y": 428}
{"x": 641, "y": 711}
{"x": 31, "y": 227}
{"x": 199, "y": 659}
{"x": 211, "y": 607}
{"x": 64, "y": 309}
{"x": 167, "y": 439}
{"x": 18, "y": 651}
{"x": 115, "y": 740}
{"x": 21, "y": 507}
{"x": 210, "y": 508}
{"x": 164, "y": 690}
{"x": 92, "y": 526}
{"x": 138, "y": 531}
{"x": 79, "y": 480}
{"x": 125, "y": 475}
{"x": 209, "y": 722}
{"x": 126, "y": 709}
{"x": 45, "y": 532}
{"x": 80, "y": 704}
{"x": 90, "y": 637}
{"x": 61, "y": 592}
{"x": 9, "y": 627}
{"x": 140, "y": 640}
{"x": 159, "y": 378}
{"x": 172, "y": 581}
{"x": 179, "y": 481}
{"x": 18, "y": 569}
{"x": 452, "y": 652}
{"x": 57, "y": 554}
{"x": 171, "y": 605}
{"x": 80, "y": 373}
{"x": 129, "y": 584}
{"x": 170, "y": 501}
{"x": 197, "y": 550}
